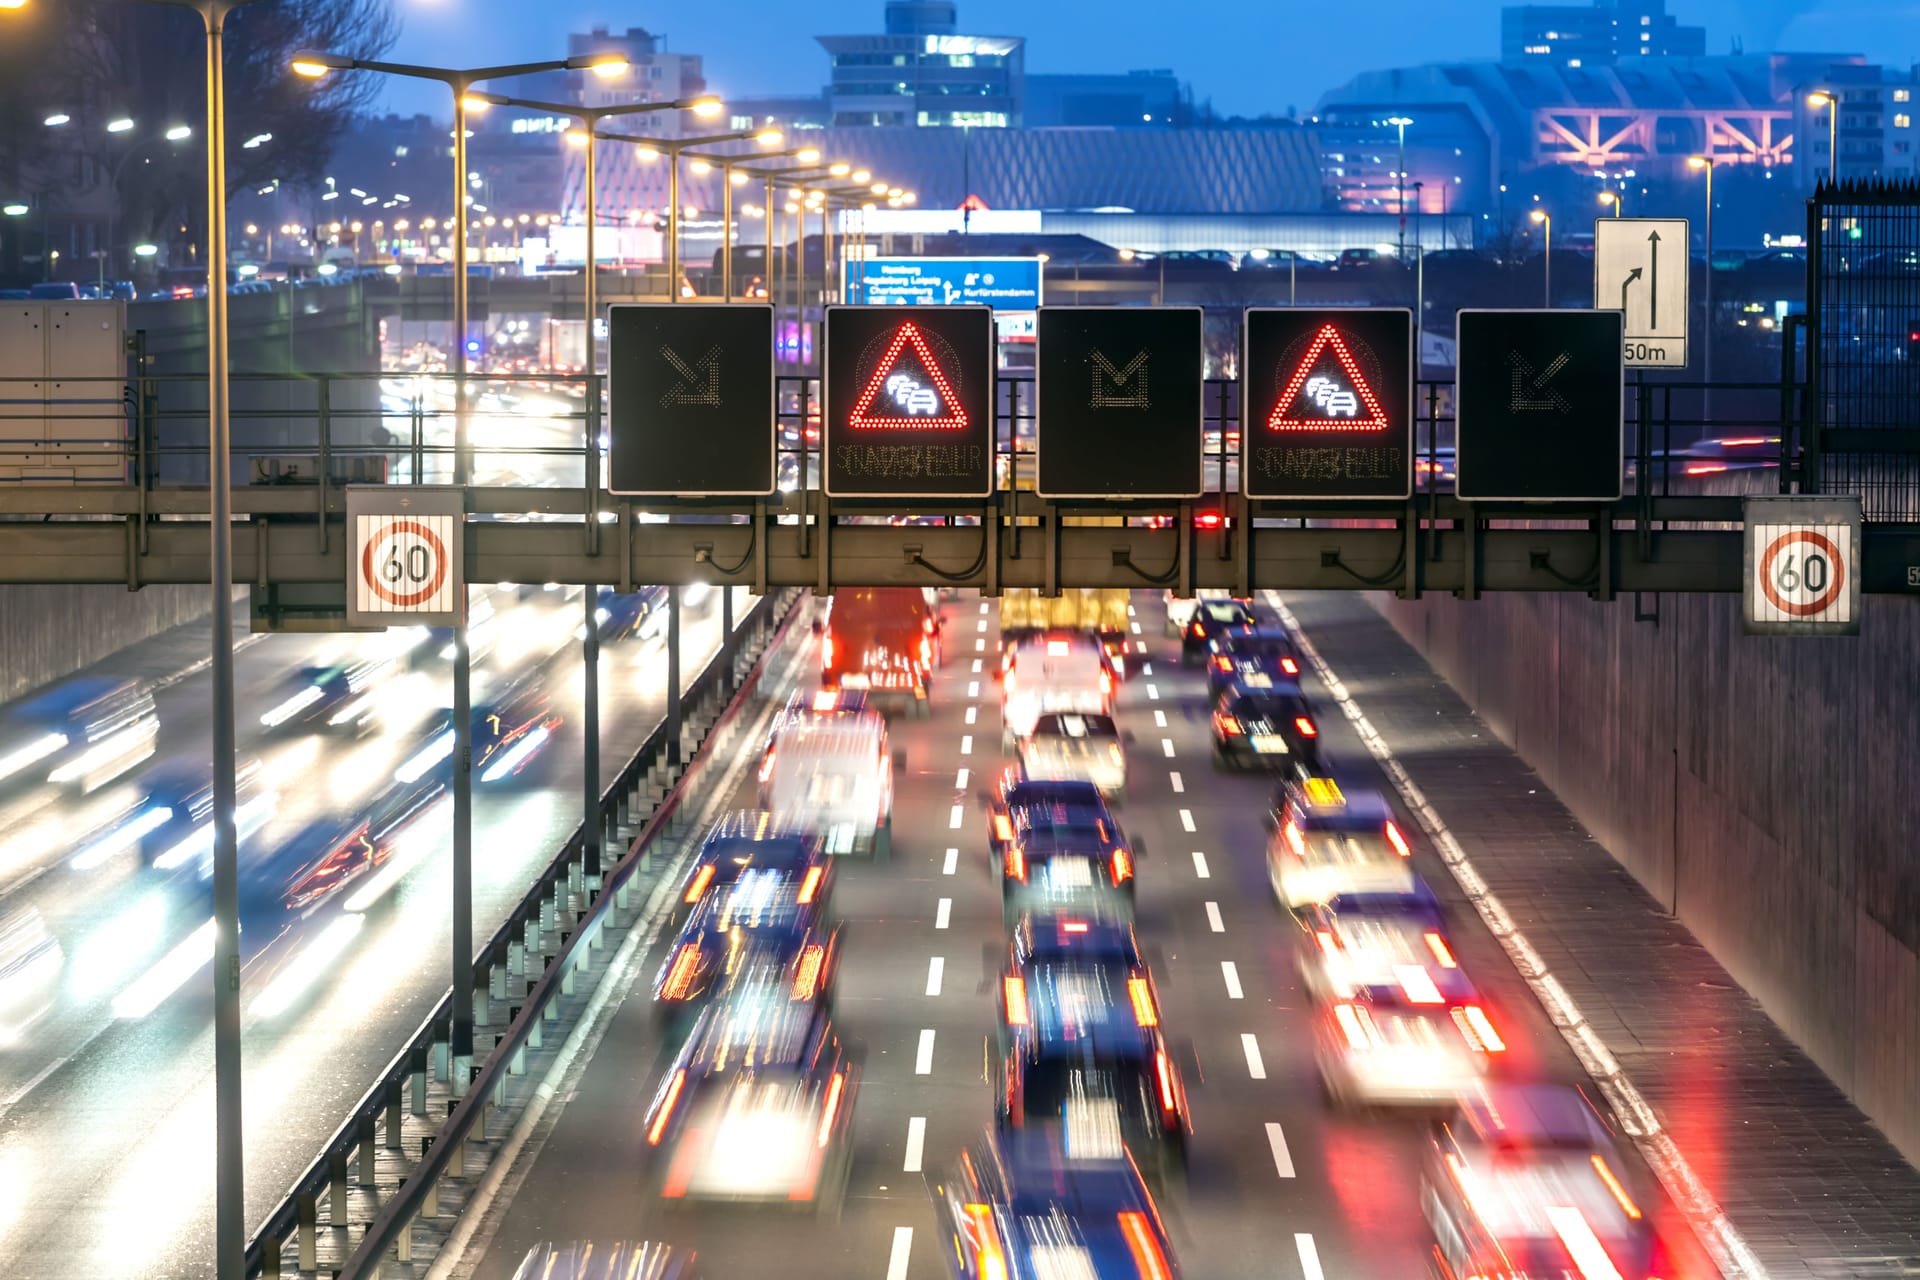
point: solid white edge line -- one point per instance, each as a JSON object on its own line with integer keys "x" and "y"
{"x": 916, "y": 1143}
{"x": 1277, "y": 1142}
{"x": 923, "y": 1057}
{"x": 1200, "y": 864}
{"x": 1230, "y": 972}
{"x": 936, "y": 969}
{"x": 902, "y": 1245}
{"x": 1214, "y": 922}
{"x": 1309, "y": 1256}
{"x": 952, "y": 863}
{"x": 1256, "y": 1065}
{"x": 1690, "y": 1195}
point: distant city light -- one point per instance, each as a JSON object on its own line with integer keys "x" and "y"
{"x": 179, "y": 133}
{"x": 14, "y": 210}
{"x": 119, "y": 126}
{"x": 145, "y": 250}
{"x": 56, "y": 120}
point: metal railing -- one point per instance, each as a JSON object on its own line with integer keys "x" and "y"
{"x": 550, "y": 931}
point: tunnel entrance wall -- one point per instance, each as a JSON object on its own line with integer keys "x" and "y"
{"x": 1767, "y": 790}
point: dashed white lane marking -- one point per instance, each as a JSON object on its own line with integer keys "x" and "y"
{"x": 902, "y": 1243}
{"x": 1166, "y": 747}
{"x": 952, "y": 863}
{"x": 979, "y": 646}
{"x": 1140, "y": 646}
{"x": 936, "y": 969}
{"x": 956, "y": 817}
{"x": 1186, "y": 820}
{"x": 1179, "y": 785}
{"x": 982, "y": 624}
{"x": 916, "y": 1141}
{"x": 976, "y": 666}
{"x": 973, "y": 688}
{"x": 1231, "y": 972}
{"x": 1309, "y": 1256}
{"x": 923, "y": 1060}
{"x": 1159, "y": 719}
{"x": 1153, "y": 692}
{"x": 983, "y": 606}
{"x": 973, "y": 714}
{"x": 1729, "y": 1248}
{"x": 1282, "y": 1158}
{"x": 960, "y": 780}
{"x": 1256, "y": 1066}
{"x": 1214, "y": 922}
{"x": 1130, "y": 611}
{"x": 966, "y": 744}
{"x": 1146, "y": 668}
{"x": 1200, "y": 865}
{"x": 944, "y": 915}
{"x": 1136, "y": 628}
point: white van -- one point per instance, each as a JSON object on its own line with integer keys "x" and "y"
{"x": 834, "y": 776}
{"x": 1054, "y": 672}
{"x": 1180, "y": 608}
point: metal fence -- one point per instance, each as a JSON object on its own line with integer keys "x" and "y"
{"x": 1863, "y": 356}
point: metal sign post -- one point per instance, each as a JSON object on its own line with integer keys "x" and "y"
{"x": 1642, "y": 268}
{"x": 1802, "y": 559}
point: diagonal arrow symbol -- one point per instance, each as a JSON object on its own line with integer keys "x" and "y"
{"x": 705, "y": 370}
{"x": 1530, "y": 390}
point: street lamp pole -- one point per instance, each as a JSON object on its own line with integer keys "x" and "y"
{"x": 1705, "y": 163}
{"x": 1400, "y": 180}
{"x": 1545, "y": 220}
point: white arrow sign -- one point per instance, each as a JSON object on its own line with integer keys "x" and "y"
{"x": 1641, "y": 267}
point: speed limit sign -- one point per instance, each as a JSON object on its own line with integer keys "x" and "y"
{"x": 405, "y": 549}
{"x": 1803, "y": 565}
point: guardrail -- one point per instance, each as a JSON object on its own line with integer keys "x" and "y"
{"x": 550, "y": 932}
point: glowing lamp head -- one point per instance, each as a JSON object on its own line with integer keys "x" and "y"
{"x": 1537, "y": 216}
{"x": 1819, "y": 98}
{"x": 862, "y": 175}
{"x": 1698, "y": 162}
{"x": 605, "y": 66}
{"x": 13, "y": 4}
{"x": 807, "y": 155}
{"x": 840, "y": 170}
{"x": 121, "y": 125}
{"x": 771, "y": 138}
{"x": 577, "y": 138}
{"x": 315, "y": 65}
{"x": 706, "y": 108}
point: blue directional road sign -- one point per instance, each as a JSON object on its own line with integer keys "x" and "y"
{"x": 1005, "y": 284}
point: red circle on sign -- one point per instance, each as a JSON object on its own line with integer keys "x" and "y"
{"x": 1825, "y": 599}
{"x": 405, "y": 599}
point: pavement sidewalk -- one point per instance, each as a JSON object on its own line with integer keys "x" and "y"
{"x": 1807, "y": 1180}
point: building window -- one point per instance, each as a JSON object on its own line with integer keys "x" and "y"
{"x": 1645, "y": 21}
{"x": 1902, "y": 121}
{"x": 1900, "y": 95}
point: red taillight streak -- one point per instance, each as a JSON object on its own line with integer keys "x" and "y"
{"x": 826, "y": 648}
{"x": 1014, "y": 990}
{"x": 1002, "y": 827}
{"x": 806, "y": 976}
{"x": 666, "y": 1108}
{"x": 1141, "y": 995}
{"x": 1122, "y": 866}
{"x": 1164, "y": 1070}
{"x": 1297, "y": 841}
{"x": 1305, "y": 726}
{"x": 1016, "y": 863}
{"x": 699, "y": 885}
{"x": 1398, "y": 841}
{"x": 680, "y": 977}
{"x": 1223, "y": 662}
{"x": 1147, "y": 1257}
{"x": 984, "y": 1237}
{"x": 1228, "y": 725}
{"x": 834, "y": 1091}
{"x": 1441, "y": 952}
{"x": 766, "y": 767}
{"x": 1613, "y": 1184}
{"x": 1289, "y": 666}
{"x": 810, "y": 885}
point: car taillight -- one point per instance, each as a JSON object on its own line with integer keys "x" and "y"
{"x": 1222, "y": 662}
{"x": 1198, "y": 629}
{"x": 984, "y": 1238}
{"x": 1441, "y": 952}
{"x": 1142, "y": 997}
{"x": 1164, "y": 1070}
{"x": 1122, "y": 866}
{"x": 1106, "y": 682}
{"x": 926, "y": 653}
{"x": 826, "y": 649}
{"x": 1016, "y": 863}
{"x": 766, "y": 767}
{"x": 1228, "y": 725}
{"x": 1305, "y": 726}
{"x": 666, "y": 1107}
{"x": 834, "y": 1090}
{"x": 699, "y": 885}
{"x": 1325, "y": 939}
{"x": 1014, "y": 991}
{"x": 1295, "y": 840}
{"x": 806, "y": 975}
{"x": 1478, "y": 1029}
{"x": 810, "y": 885}
{"x": 1006, "y": 681}
{"x": 1398, "y": 841}
{"x": 1002, "y": 827}
{"x": 1357, "y": 1025}
{"x": 1289, "y": 666}
{"x": 1627, "y": 1205}
{"x": 1073, "y": 926}
{"x": 1148, "y": 1259}
{"x": 686, "y": 963}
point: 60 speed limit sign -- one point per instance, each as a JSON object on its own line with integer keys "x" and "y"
{"x": 406, "y": 555}
{"x": 1803, "y": 566}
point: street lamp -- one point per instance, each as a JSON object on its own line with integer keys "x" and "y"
{"x": 1545, "y": 220}
{"x": 735, "y": 176}
{"x": 1831, "y": 101}
{"x": 1611, "y": 198}
{"x": 1400, "y": 179}
{"x": 1704, "y": 164}
{"x": 673, "y": 149}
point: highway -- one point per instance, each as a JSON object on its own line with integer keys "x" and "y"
{"x": 1280, "y": 1185}
{"x": 106, "y": 1087}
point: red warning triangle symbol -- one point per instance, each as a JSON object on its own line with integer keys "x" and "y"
{"x": 897, "y": 397}
{"x": 974, "y": 204}
{"x": 1335, "y": 398}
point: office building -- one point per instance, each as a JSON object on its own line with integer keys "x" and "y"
{"x": 1599, "y": 34}
{"x": 922, "y": 72}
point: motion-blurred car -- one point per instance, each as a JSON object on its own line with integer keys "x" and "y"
{"x": 30, "y": 965}
{"x": 1056, "y": 848}
{"x": 1271, "y": 728}
{"x": 758, "y": 1106}
{"x": 619, "y": 1260}
{"x": 1211, "y": 619}
{"x": 1073, "y": 746}
{"x": 1067, "y": 671}
{"x": 1328, "y": 842}
{"x": 342, "y": 698}
{"x": 512, "y": 726}
{"x": 1180, "y": 609}
{"x": 832, "y": 774}
{"x": 84, "y": 732}
{"x": 1081, "y": 1047}
{"x": 1258, "y": 655}
{"x": 883, "y": 640}
{"x": 170, "y": 823}
{"x": 1017, "y": 1206}
{"x": 1526, "y": 1181}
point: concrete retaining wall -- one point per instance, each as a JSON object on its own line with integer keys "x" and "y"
{"x": 50, "y": 632}
{"x": 1767, "y": 790}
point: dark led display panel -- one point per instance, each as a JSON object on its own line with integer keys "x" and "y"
{"x": 1539, "y": 400}
{"x": 1327, "y": 403}
{"x": 690, "y": 406}
{"x": 1119, "y": 402}
{"x": 909, "y": 402}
